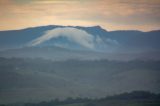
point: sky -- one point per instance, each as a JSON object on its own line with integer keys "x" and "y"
{"x": 141, "y": 15}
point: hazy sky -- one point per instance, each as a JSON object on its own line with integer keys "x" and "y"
{"x": 110, "y": 14}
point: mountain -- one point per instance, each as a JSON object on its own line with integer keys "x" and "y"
{"x": 18, "y": 38}
{"x": 99, "y": 38}
{"x": 76, "y": 42}
{"x": 49, "y": 62}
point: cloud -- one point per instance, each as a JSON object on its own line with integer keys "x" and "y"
{"x": 112, "y": 42}
{"x": 111, "y": 14}
{"x": 73, "y": 34}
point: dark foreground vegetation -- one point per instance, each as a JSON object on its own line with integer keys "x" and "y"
{"x": 135, "y": 98}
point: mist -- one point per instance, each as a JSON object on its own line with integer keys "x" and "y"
{"x": 73, "y": 34}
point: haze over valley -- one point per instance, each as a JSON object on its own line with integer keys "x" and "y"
{"x": 73, "y": 61}
{"x": 79, "y": 53}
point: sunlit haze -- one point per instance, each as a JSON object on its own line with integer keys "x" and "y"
{"x": 110, "y": 14}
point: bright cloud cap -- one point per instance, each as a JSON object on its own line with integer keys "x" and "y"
{"x": 78, "y": 36}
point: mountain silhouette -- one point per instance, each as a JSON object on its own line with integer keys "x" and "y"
{"x": 106, "y": 41}
{"x": 77, "y": 42}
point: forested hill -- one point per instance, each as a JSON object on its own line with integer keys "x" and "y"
{"x": 135, "y": 98}
{"x": 31, "y": 78}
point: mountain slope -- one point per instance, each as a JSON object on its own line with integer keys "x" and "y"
{"x": 113, "y": 41}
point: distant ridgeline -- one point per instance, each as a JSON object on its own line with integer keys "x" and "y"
{"x": 78, "y": 42}
{"x": 135, "y": 98}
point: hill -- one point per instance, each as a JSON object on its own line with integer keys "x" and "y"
{"x": 26, "y": 80}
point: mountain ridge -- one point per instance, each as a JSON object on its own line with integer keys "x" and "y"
{"x": 80, "y": 38}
